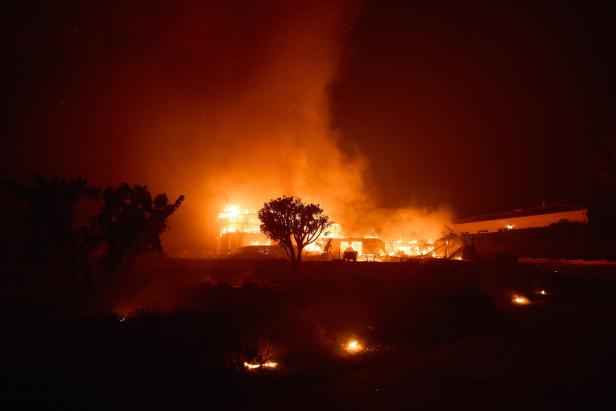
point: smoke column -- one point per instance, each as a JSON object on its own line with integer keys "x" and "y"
{"x": 224, "y": 102}
{"x": 270, "y": 134}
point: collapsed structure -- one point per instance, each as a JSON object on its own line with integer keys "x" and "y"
{"x": 238, "y": 228}
{"x": 240, "y": 236}
{"x": 545, "y": 230}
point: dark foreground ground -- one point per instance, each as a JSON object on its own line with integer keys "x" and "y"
{"x": 437, "y": 335}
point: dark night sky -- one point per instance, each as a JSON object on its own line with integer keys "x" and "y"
{"x": 484, "y": 107}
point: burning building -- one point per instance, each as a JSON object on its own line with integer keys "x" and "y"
{"x": 238, "y": 227}
{"x": 239, "y": 236}
{"x": 364, "y": 248}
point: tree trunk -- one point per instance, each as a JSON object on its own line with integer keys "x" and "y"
{"x": 299, "y": 254}
{"x": 292, "y": 252}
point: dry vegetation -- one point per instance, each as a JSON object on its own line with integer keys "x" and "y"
{"x": 188, "y": 342}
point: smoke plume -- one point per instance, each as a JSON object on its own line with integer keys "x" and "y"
{"x": 224, "y": 102}
{"x": 272, "y": 135}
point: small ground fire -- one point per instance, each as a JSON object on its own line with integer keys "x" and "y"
{"x": 254, "y": 366}
{"x": 520, "y": 300}
{"x": 353, "y": 347}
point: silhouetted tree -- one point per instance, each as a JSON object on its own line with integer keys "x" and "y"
{"x": 293, "y": 224}
{"x": 51, "y": 237}
{"x": 131, "y": 223}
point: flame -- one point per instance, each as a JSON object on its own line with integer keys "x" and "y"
{"x": 239, "y": 226}
{"x": 520, "y": 300}
{"x": 313, "y": 248}
{"x": 231, "y": 211}
{"x": 252, "y": 130}
{"x": 353, "y": 347}
{"x": 254, "y": 366}
{"x": 234, "y": 219}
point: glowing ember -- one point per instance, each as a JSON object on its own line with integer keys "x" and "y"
{"x": 542, "y": 292}
{"x": 267, "y": 364}
{"x": 520, "y": 300}
{"x": 353, "y": 347}
{"x": 251, "y": 366}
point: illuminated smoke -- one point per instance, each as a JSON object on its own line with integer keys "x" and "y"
{"x": 266, "y": 131}
{"x": 273, "y": 136}
{"x": 408, "y": 223}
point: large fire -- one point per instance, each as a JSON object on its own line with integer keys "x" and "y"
{"x": 246, "y": 136}
{"x": 236, "y": 219}
{"x": 239, "y": 227}
{"x": 239, "y": 232}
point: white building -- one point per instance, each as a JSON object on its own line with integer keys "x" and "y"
{"x": 533, "y": 217}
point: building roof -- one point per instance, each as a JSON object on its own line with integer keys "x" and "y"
{"x": 543, "y": 208}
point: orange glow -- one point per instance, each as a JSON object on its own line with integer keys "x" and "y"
{"x": 234, "y": 219}
{"x": 239, "y": 227}
{"x": 353, "y": 347}
{"x": 313, "y": 248}
{"x": 253, "y": 139}
{"x": 254, "y": 366}
{"x": 520, "y": 300}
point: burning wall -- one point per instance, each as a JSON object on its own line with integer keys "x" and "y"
{"x": 238, "y": 227}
